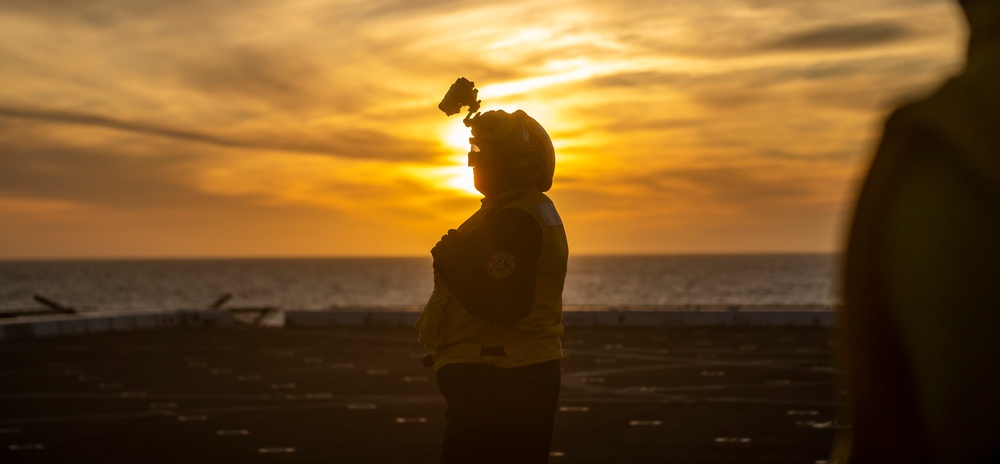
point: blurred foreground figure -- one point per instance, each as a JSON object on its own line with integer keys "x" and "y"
{"x": 922, "y": 274}
{"x": 494, "y": 319}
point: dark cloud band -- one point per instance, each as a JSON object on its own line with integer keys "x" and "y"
{"x": 842, "y": 36}
{"x": 345, "y": 144}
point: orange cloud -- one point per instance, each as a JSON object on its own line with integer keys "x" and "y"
{"x": 309, "y": 128}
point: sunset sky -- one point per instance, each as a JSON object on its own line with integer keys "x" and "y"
{"x": 310, "y": 128}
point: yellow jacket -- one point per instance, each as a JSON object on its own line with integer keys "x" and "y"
{"x": 454, "y": 335}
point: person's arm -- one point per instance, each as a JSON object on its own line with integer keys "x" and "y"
{"x": 492, "y": 273}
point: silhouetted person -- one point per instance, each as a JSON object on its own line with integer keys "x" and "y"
{"x": 494, "y": 319}
{"x": 921, "y": 317}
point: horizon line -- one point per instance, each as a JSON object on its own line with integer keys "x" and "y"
{"x": 422, "y": 256}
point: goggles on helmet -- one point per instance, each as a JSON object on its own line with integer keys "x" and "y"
{"x": 482, "y": 152}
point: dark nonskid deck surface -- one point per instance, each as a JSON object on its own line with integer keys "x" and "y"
{"x": 705, "y": 395}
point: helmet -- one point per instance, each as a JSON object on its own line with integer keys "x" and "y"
{"x": 516, "y": 140}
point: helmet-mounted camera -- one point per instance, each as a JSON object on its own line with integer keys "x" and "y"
{"x": 462, "y": 93}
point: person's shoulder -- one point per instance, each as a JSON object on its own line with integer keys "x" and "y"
{"x": 537, "y": 205}
{"x": 972, "y": 93}
{"x": 931, "y": 119}
{"x": 513, "y": 221}
{"x": 512, "y": 216}
{"x": 515, "y": 226}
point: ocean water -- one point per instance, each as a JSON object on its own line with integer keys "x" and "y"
{"x": 323, "y": 283}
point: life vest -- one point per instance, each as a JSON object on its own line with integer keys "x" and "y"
{"x": 455, "y": 336}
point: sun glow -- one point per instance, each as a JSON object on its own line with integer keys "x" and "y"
{"x": 457, "y": 174}
{"x": 460, "y": 177}
{"x": 456, "y": 136}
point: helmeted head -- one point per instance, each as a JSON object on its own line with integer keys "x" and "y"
{"x": 510, "y": 150}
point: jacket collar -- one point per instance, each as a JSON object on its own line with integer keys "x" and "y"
{"x": 504, "y": 197}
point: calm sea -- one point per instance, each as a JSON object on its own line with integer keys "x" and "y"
{"x": 321, "y": 283}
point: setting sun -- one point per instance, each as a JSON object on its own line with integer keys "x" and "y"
{"x": 458, "y": 174}
{"x": 460, "y": 178}
{"x": 456, "y": 135}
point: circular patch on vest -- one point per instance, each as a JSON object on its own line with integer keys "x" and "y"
{"x": 501, "y": 265}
